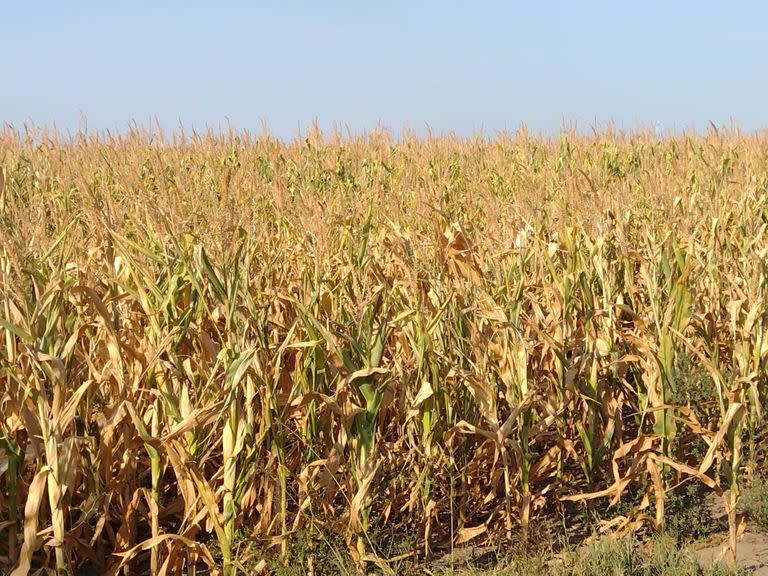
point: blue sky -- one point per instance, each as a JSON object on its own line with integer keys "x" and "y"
{"x": 444, "y": 66}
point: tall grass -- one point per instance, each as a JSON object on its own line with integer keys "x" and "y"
{"x": 213, "y": 342}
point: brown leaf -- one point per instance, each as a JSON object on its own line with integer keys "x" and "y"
{"x": 31, "y": 512}
{"x": 467, "y": 533}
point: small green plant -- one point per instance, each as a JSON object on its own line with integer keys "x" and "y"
{"x": 755, "y": 504}
{"x": 533, "y": 566}
{"x": 658, "y": 556}
{"x": 688, "y": 516}
{"x": 313, "y": 553}
{"x": 603, "y": 557}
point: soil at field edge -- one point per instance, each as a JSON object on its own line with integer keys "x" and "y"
{"x": 751, "y": 552}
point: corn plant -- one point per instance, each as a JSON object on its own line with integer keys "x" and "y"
{"x": 214, "y": 344}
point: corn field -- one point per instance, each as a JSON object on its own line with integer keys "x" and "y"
{"x": 213, "y": 342}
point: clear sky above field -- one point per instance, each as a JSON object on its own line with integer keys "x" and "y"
{"x": 448, "y": 66}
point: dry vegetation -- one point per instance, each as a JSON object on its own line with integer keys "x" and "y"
{"x": 214, "y": 344}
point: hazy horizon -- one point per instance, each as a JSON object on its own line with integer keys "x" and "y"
{"x": 153, "y": 128}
